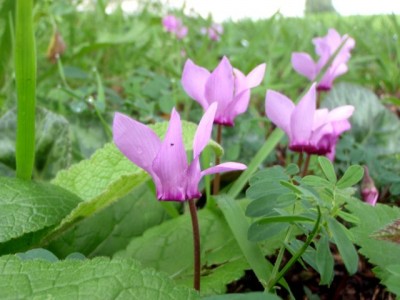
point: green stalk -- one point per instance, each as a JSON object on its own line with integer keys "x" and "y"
{"x": 264, "y": 151}
{"x": 25, "y": 76}
{"x": 295, "y": 257}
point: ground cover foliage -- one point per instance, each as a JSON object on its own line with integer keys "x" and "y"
{"x": 89, "y": 224}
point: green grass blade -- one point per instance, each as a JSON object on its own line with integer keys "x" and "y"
{"x": 25, "y": 73}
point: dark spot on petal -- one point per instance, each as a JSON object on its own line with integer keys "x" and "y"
{"x": 172, "y": 144}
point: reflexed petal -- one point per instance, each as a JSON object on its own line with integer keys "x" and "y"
{"x": 301, "y": 121}
{"x": 224, "y": 167}
{"x": 239, "y": 105}
{"x": 203, "y": 132}
{"x": 220, "y": 85}
{"x": 278, "y": 109}
{"x": 341, "y": 126}
{"x": 136, "y": 141}
{"x": 304, "y": 65}
{"x": 194, "y": 80}
{"x": 320, "y": 118}
{"x": 193, "y": 178}
{"x": 240, "y": 81}
{"x": 341, "y": 113}
{"x": 255, "y": 77}
{"x": 170, "y": 164}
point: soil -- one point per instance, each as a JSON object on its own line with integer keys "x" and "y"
{"x": 304, "y": 284}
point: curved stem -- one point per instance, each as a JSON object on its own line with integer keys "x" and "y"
{"x": 196, "y": 244}
{"x": 299, "y": 253}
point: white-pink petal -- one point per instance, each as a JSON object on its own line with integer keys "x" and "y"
{"x": 136, "y": 141}
{"x": 194, "y": 80}
{"x": 278, "y": 109}
{"x": 224, "y": 167}
{"x": 256, "y": 76}
{"x": 302, "y": 118}
{"x": 304, "y": 65}
{"x": 204, "y": 130}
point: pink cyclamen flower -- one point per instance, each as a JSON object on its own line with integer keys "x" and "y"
{"x": 369, "y": 192}
{"x": 214, "y": 31}
{"x": 227, "y": 86}
{"x": 165, "y": 161}
{"x": 174, "y": 25}
{"x": 325, "y": 47}
{"x": 310, "y": 130}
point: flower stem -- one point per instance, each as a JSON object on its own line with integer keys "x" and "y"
{"x": 300, "y": 160}
{"x": 25, "y": 76}
{"x": 196, "y": 244}
{"x": 217, "y": 178}
{"x": 306, "y": 164}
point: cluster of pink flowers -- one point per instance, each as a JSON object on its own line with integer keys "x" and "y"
{"x": 174, "y": 25}
{"x": 214, "y": 32}
{"x": 224, "y": 94}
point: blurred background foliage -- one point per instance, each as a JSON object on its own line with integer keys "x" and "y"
{"x": 93, "y": 62}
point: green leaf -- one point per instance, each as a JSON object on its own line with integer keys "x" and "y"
{"x": 52, "y": 142}
{"x": 27, "y": 207}
{"x": 287, "y": 219}
{"x": 268, "y": 204}
{"x": 328, "y": 169}
{"x": 324, "y": 260}
{"x": 168, "y": 247}
{"x": 108, "y": 176}
{"x": 372, "y": 219}
{"x": 247, "y": 296}
{"x": 345, "y": 246}
{"x": 373, "y": 126}
{"x": 352, "y": 176}
{"x": 390, "y": 277}
{"x": 100, "y": 278}
{"x": 259, "y": 232}
{"x": 123, "y": 220}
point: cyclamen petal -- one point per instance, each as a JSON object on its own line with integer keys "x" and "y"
{"x": 203, "y": 132}
{"x": 136, "y": 141}
{"x": 255, "y": 77}
{"x": 279, "y": 109}
{"x": 194, "y": 79}
{"x": 170, "y": 164}
{"x": 302, "y": 117}
{"x": 224, "y": 167}
{"x": 220, "y": 85}
{"x": 304, "y": 65}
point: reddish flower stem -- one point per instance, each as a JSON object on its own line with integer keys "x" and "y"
{"x": 306, "y": 164}
{"x": 217, "y": 178}
{"x": 300, "y": 160}
{"x": 196, "y": 244}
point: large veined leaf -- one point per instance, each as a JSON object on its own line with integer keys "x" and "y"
{"x": 108, "y": 176}
{"x": 27, "y": 207}
{"x": 100, "y": 278}
{"x": 373, "y": 126}
{"x": 169, "y": 248}
{"x": 373, "y": 219}
{"x": 52, "y": 144}
{"x": 120, "y": 222}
